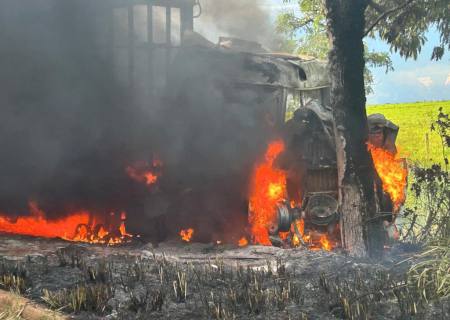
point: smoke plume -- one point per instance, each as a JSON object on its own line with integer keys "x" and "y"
{"x": 245, "y": 19}
{"x": 70, "y": 128}
{"x": 67, "y": 127}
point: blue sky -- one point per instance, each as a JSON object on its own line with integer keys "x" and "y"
{"x": 419, "y": 80}
{"x": 412, "y": 80}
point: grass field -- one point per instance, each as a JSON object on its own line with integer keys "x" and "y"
{"x": 415, "y": 139}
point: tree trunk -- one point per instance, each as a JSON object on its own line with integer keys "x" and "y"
{"x": 361, "y": 226}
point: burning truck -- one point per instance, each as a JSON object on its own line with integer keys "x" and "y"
{"x": 293, "y": 190}
{"x": 241, "y": 140}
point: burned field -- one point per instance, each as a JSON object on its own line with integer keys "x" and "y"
{"x": 210, "y": 281}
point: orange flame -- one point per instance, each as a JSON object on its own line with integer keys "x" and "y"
{"x": 145, "y": 173}
{"x": 325, "y": 243}
{"x": 312, "y": 242}
{"x": 122, "y": 228}
{"x": 82, "y": 226}
{"x": 143, "y": 176}
{"x": 243, "y": 242}
{"x": 301, "y": 228}
{"x": 186, "y": 234}
{"x": 268, "y": 187}
{"x": 392, "y": 172}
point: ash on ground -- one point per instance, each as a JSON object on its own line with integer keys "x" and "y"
{"x": 206, "y": 281}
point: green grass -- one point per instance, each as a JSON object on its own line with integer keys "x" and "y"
{"x": 415, "y": 120}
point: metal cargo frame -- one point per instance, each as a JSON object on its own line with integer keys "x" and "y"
{"x": 138, "y": 38}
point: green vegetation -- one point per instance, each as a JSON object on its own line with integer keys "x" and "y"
{"x": 415, "y": 139}
{"x": 307, "y": 35}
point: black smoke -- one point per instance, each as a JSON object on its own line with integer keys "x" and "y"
{"x": 66, "y": 124}
{"x": 69, "y": 128}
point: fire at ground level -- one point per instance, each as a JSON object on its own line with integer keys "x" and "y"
{"x": 267, "y": 192}
{"x": 203, "y": 281}
{"x": 267, "y": 196}
{"x": 260, "y": 179}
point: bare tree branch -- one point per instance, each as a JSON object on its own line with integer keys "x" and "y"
{"x": 385, "y": 14}
{"x": 300, "y": 24}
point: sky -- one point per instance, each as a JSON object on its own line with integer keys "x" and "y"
{"x": 420, "y": 80}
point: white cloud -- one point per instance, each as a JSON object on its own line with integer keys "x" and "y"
{"x": 425, "y": 81}
{"x": 447, "y": 82}
{"x": 415, "y": 82}
{"x": 427, "y": 75}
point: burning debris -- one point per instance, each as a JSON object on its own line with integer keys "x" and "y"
{"x": 186, "y": 234}
{"x": 243, "y": 242}
{"x": 144, "y": 172}
{"x": 80, "y": 226}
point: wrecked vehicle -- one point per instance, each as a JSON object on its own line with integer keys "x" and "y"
{"x": 199, "y": 117}
{"x": 279, "y": 95}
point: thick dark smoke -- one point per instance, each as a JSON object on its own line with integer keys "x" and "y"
{"x": 69, "y": 128}
{"x": 245, "y": 19}
{"x": 66, "y": 125}
{"x": 215, "y": 132}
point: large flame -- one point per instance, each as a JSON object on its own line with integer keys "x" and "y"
{"x": 81, "y": 226}
{"x": 392, "y": 172}
{"x": 268, "y": 187}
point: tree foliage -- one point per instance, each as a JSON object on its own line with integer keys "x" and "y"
{"x": 403, "y": 24}
{"x": 308, "y": 34}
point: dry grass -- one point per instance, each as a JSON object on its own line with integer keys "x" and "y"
{"x": 13, "y": 277}
{"x": 92, "y": 298}
{"x": 15, "y": 307}
{"x": 11, "y": 311}
{"x": 141, "y": 288}
{"x": 432, "y": 274}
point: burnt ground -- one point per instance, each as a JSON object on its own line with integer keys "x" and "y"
{"x": 205, "y": 281}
